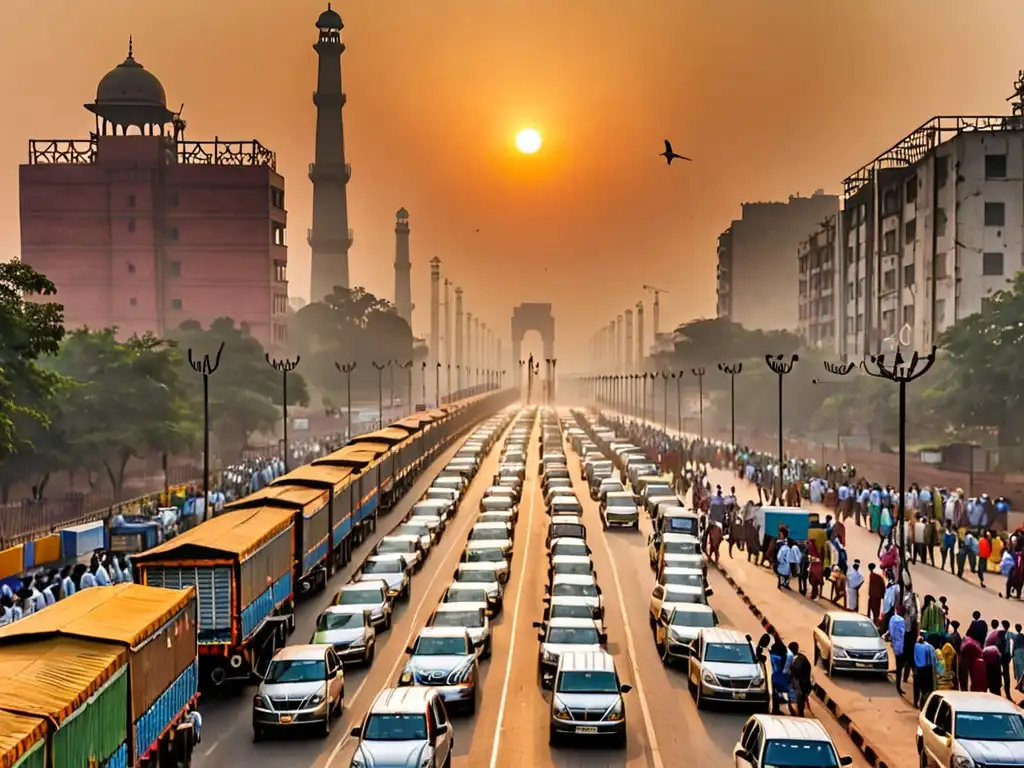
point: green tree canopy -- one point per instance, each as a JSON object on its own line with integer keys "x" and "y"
{"x": 129, "y": 400}
{"x": 245, "y": 392}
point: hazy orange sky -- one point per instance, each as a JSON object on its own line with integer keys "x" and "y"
{"x": 770, "y": 98}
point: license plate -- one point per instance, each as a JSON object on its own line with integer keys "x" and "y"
{"x": 739, "y": 695}
{"x": 863, "y": 665}
{"x": 286, "y": 719}
{"x": 586, "y": 729}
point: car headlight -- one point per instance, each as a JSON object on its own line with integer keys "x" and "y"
{"x": 406, "y": 677}
{"x": 559, "y": 710}
{"x": 359, "y": 642}
{"x": 757, "y": 680}
{"x": 259, "y": 701}
{"x": 882, "y": 655}
{"x": 549, "y": 656}
{"x": 427, "y": 762}
{"x": 614, "y": 714}
{"x": 709, "y": 677}
{"x": 377, "y": 612}
{"x": 839, "y": 653}
{"x": 315, "y": 699}
{"x": 962, "y": 761}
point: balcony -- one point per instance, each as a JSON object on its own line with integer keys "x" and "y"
{"x": 329, "y": 173}
{"x": 328, "y": 242}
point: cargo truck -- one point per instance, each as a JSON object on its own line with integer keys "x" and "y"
{"x": 110, "y": 672}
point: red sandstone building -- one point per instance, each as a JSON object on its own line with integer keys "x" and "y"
{"x": 142, "y": 230}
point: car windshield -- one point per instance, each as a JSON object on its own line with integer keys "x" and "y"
{"x": 572, "y": 611}
{"x": 382, "y": 566}
{"x": 588, "y": 682}
{"x": 989, "y": 726}
{"x": 579, "y": 550}
{"x": 296, "y": 671}
{"x": 488, "y": 534}
{"x": 465, "y": 595}
{"x": 330, "y": 620}
{"x": 681, "y": 548}
{"x": 441, "y": 646}
{"x": 684, "y": 579}
{"x": 484, "y": 556}
{"x": 730, "y": 653}
{"x": 395, "y": 728}
{"x": 498, "y": 503}
{"x": 573, "y": 636}
{"x": 360, "y": 597}
{"x": 853, "y": 629}
{"x": 699, "y": 619}
{"x": 568, "y": 531}
{"x": 478, "y": 577}
{"x": 681, "y": 525}
{"x": 458, "y": 619}
{"x": 414, "y": 529}
{"x": 799, "y": 753}
{"x": 574, "y": 590}
{"x": 573, "y": 569}
{"x": 620, "y": 501}
{"x": 657, "y": 489}
{"x": 396, "y": 547}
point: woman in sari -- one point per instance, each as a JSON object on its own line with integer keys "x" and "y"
{"x": 815, "y": 569}
{"x": 947, "y": 679}
{"x": 972, "y": 672}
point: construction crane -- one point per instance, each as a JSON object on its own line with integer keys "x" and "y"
{"x": 657, "y": 308}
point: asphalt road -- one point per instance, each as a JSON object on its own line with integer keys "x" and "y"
{"x": 510, "y": 727}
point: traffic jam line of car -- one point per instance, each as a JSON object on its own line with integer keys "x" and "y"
{"x": 346, "y": 632}
{"x": 722, "y": 664}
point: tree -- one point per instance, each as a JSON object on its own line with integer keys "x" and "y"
{"x": 245, "y": 392}
{"x": 29, "y": 330}
{"x": 129, "y": 401}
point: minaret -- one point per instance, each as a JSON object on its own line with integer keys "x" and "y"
{"x": 459, "y": 361}
{"x": 629, "y": 341}
{"x": 448, "y": 324}
{"x": 619, "y": 356}
{"x": 478, "y": 341}
{"x": 330, "y": 237}
{"x": 640, "y": 336}
{"x": 500, "y": 366}
{"x": 403, "y": 267}
{"x": 434, "y": 353}
{"x": 467, "y": 364}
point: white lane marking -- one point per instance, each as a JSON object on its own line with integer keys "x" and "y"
{"x": 515, "y": 624}
{"x": 212, "y": 747}
{"x": 414, "y": 629}
{"x": 652, "y": 738}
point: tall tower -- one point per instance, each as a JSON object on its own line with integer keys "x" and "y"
{"x": 403, "y": 267}
{"x": 434, "y": 353}
{"x": 467, "y": 364}
{"x": 330, "y": 237}
{"x": 640, "y": 336}
{"x": 619, "y": 346}
{"x": 448, "y": 323}
{"x": 459, "y": 360}
{"x": 629, "y": 341}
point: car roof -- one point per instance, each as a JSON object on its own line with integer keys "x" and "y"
{"x": 411, "y": 699}
{"x": 694, "y": 607}
{"x": 586, "y": 661}
{"x": 491, "y": 524}
{"x": 345, "y": 609}
{"x": 611, "y": 481}
{"x": 456, "y": 607}
{"x": 679, "y": 511}
{"x": 620, "y": 495}
{"x": 400, "y": 537}
{"x": 364, "y": 585}
{"x": 848, "y": 615}
{"x": 301, "y": 653}
{"x": 668, "y": 570}
{"x": 679, "y": 537}
{"x": 969, "y": 701}
{"x": 574, "y": 578}
{"x": 564, "y": 621}
{"x": 500, "y": 490}
{"x": 796, "y": 728}
{"x": 478, "y": 567}
{"x": 383, "y": 558}
{"x": 568, "y": 540}
{"x": 464, "y": 585}
{"x": 443, "y": 632}
{"x": 570, "y": 600}
{"x": 723, "y": 635}
{"x": 571, "y": 559}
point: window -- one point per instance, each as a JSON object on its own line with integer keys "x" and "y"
{"x": 174, "y": 268}
{"x": 277, "y": 197}
{"x": 908, "y": 314}
{"x": 941, "y": 171}
{"x": 175, "y": 303}
{"x": 280, "y": 334}
{"x": 172, "y": 199}
{"x": 911, "y": 190}
{"x": 992, "y": 264}
{"x": 889, "y": 242}
{"x": 133, "y": 302}
{"x": 278, "y": 233}
{"x": 860, "y": 323}
{"x": 910, "y": 231}
{"x": 889, "y": 280}
{"x": 889, "y": 320}
{"x": 849, "y": 255}
{"x": 131, "y": 225}
{"x": 940, "y": 222}
{"x": 131, "y": 201}
{"x": 173, "y": 233}
{"x": 909, "y": 275}
{"x": 280, "y": 271}
{"x": 940, "y": 266}
{"x": 995, "y": 166}
{"x": 280, "y": 303}
{"x": 995, "y": 214}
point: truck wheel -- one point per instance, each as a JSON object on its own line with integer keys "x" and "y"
{"x": 218, "y": 675}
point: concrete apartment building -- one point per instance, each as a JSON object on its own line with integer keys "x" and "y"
{"x": 817, "y": 290}
{"x": 757, "y": 271}
{"x": 929, "y": 229}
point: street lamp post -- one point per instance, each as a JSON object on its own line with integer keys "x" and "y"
{"x": 902, "y": 372}
{"x": 206, "y": 368}
{"x": 408, "y": 371}
{"x": 391, "y": 383}
{"x": 437, "y": 384}
{"x": 554, "y": 377}
{"x": 664, "y": 375}
{"x": 780, "y": 368}
{"x": 699, "y": 373}
{"x": 679, "y": 403}
{"x": 643, "y": 408}
{"x": 424, "y": 381}
{"x": 380, "y": 392}
{"x": 732, "y": 370}
{"x": 836, "y": 369}
{"x": 347, "y": 369}
{"x": 284, "y": 367}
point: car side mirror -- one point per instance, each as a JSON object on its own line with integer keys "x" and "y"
{"x": 709, "y": 592}
{"x": 442, "y": 729}
{"x": 356, "y": 732}
{"x": 846, "y": 760}
{"x": 538, "y": 624}
{"x": 939, "y": 731}
{"x": 744, "y": 754}
{"x": 625, "y": 688}
{"x": 749, "y": 638}
{"x": 599, "y": 590}
{"x": 408, "y": 649}
{"x": 540, "y": 635}
{"x": 603, "y": 638}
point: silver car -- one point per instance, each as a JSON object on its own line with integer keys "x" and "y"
{"x": 678, "y": 627}
{"x": 348, "y": 630}
{"x": 587, "y": 699}
{"x": 585, "y": 587}
{"x": 405, "y": 548}
{"x": 405, "y": 728}
{"x": 558, "y": 636}
{"x": 444, "y": 658}
{"x": 371, "y": 595}
{"x": 848, "y": 642}
{"x": 304, "y": 685}
{"x": 467, "y": 593}
{"x": 491, "y": 553}
{"x": 417, "y": 526}
{"x": 393, "y": 571}
{"x": 469, "y": 617}
{"x": 484, "y": 575}
{"x": 723, "y": 666}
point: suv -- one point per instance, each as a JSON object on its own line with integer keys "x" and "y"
{"x": 774, "y": 740}
{"x": 558, "y": 636}
{"x": 723, "y": 666}
{"x": 619, "y": 509}
{"x": 847, "y": 642}
{"x": 962, "y": 728}
{"x": 406, "y": 727}
{"x": 586, "y": 698}
{"x": 304, "y": 685}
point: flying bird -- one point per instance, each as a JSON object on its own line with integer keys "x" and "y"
{"x": 669, "y": 155}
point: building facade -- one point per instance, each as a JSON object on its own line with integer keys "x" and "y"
{"x": 142, "y": 230}
{"x": 817, "y": 293}
{"x": 930, "y": 229}
{"x": 757, "y": 271}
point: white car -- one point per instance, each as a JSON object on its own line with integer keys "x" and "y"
{"x": 407, "y": 548}
{"x": 678, "y": 627}
{"x": 368, "y": 595}
{"x": 569, "y": 546}
{"x": 417, "y": 526}
{"x": 406, "y": 727}
{"x": 494, "y": 534}
{"x": 558, "y": 636}
{"x": 469, "y": 616}
{"x": 964, "y": 729}
{"x": 849, "y": 642}
{"x": 619, "y": 509}
{"x": 571, "y": 565}
{"x": 585, "y": 587}
{"x": 724, "y": 666}
{"x": 349, "y": 630}
{"x": 392, "y": 571}
{"x": 667, "y": 597}
{"x": 433, "y": 508}
{"x": 485, "y": 575}
{"x": 773, "y": 740}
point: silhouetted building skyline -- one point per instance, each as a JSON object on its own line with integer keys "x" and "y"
{"x": 403, "y": 267}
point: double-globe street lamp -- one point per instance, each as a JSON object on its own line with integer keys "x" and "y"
{"x": 733, "y": 371}
{"x": 780, "y": 368}
{"x": 380, "y": 391}
{"x": 347, "y": 368}
{"x": 206, "y": 368}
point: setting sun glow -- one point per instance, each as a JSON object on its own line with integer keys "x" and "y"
{"x": 528, "y": 141}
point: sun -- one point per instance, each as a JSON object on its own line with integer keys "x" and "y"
{"x": 528, "y": 141}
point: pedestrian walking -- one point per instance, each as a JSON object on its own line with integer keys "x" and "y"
{"x": 896, "y": 633}
{"x": 876, "y": 591}
{"x": 924, "y": 671}
{"x": 854, "y": 581}
{"x": 977, "y": 629}
{"x": 781, "y": 660}
{"x": 800, "y": 680}
{"x": 948, "y": 547}
{"x": 932, "y": 620}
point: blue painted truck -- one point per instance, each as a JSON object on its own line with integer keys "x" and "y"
{"x": 240, "y": 564}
